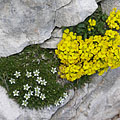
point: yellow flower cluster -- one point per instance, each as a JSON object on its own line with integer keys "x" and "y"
{"x": 91, "y": 25}
{"x": 113, "y": 20}
{"x": 86, "y": 57}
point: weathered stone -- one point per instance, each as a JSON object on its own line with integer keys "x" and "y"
{"x": 57, "y": 33}
{"x": 2, "y": 117}
{"x": 51, "y": 43}
{"x": 25, "y": 22}
{"x": 22, "y": 23}
{"x": 108, "y": 5}
{"x": 75, "y": 12}
{"x": 98, "y": 1}
{"x": 98, "y": 100}
{"x": 56, "y": 37}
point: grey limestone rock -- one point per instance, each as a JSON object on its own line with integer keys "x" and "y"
{"x": 108, "y": 5}
{"x": 98, "y": 1}
{"x": 26, "y": 22}
{"x": 74, "y": 12}
{"x": 55, "y": 38}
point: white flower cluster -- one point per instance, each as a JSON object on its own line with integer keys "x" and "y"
{"x": 61, "y": 99}
{"x": 17, "y": 75}
{"x": 40, "y": 81}
{"x": 27, "y": 88}
{"x": 36, "y": 92}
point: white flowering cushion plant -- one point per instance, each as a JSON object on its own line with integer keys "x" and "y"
{"x": 32, "y": 84}
{"x": 35, "y": 92}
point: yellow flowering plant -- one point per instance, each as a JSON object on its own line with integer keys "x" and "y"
{"x": 92, "y": 23}
{"x": 113, "y": 20}
{"x": 85, "y": 56}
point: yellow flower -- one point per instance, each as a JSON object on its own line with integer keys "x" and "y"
{"x": 66, "y": 31}
{"x": 68, "y": 38}
{"x": 64, "y": 35}
{"x": 114, "y": 19}
{"x": 92, "y": 22}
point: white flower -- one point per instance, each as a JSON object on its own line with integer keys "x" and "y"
{"x": 57, "y": 103}
{"x": 36, "y": 73}
{"x": 61, "y": 100}
{"x": 37, "y": 91}
{"x": 42, "y": 96}
{"x": 53, "y": 70}
{"x": 28, "y": 74}
{"x": 43, "y": 82}
{"x": 39, "y": 79}
{"x": 37, "y": 88}
{"x": 17, "y": 74}
{"x": 27, "y": 96}
{"x": 65, "y": 95}
{"x": 24, "y": 103}
{"x": 12, "y": 81}
{"x": 30, "y": 92}
{"x": 26, "y": 87}
{"x": 15, "y": 93}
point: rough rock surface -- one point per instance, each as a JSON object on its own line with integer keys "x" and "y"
{"x": 99, "y": 100}
{"x": 25, "y": 22}
{"x": 75, "y": 11}
{"x": 56, "y": 37}
{"x": 108, "y": 5}
{"x": 98, "y": 1}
